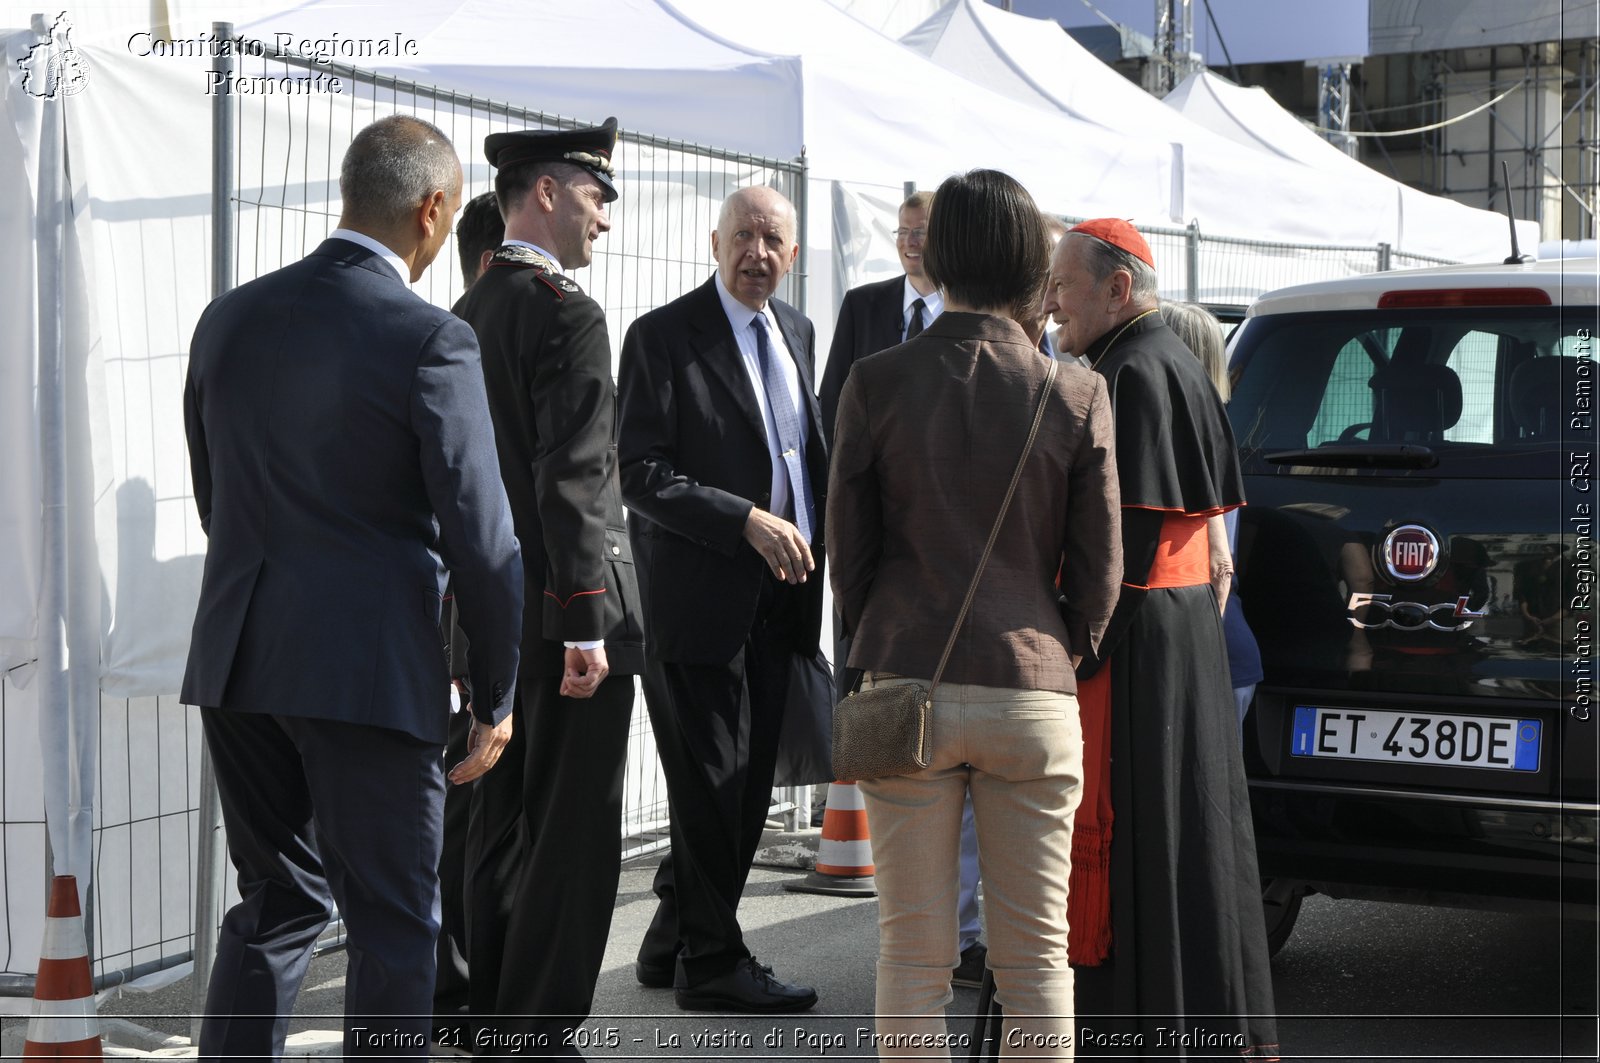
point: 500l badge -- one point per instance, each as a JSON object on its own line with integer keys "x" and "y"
{"x": 1383, "y": 611}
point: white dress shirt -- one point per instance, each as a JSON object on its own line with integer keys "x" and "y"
{"x": 740, "y": 318}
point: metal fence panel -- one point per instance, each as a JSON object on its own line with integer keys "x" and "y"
{"x": 1232, "y": 271}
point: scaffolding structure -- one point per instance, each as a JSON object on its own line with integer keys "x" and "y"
{"x": 1546, "y": 130}
{"x": 1173, "y": 57}
{"x": 1333, "y": 106}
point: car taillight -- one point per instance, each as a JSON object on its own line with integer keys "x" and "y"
{"x": 1434, "y": 297}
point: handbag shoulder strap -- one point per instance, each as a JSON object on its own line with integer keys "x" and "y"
{"x": 994, "y": 532}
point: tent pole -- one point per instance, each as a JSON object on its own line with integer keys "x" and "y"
{"x": 211, "y": 850}
{"x": 54, "y": 697}
{"x": 802, "y": 210}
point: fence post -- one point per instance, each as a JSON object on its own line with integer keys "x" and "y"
{"x": 209, "y": 853}
{"x": 1192, "y": 248}
{"x": 1385, "y": 256}
{"x": 802, "y": 209}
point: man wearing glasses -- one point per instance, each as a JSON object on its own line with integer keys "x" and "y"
{"x": 882, "y": 314}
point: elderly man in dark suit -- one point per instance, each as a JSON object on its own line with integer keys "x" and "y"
{"x": 724, "y": 469}
{"x": 543, "y": 847}
{"x": 342, "y": 458}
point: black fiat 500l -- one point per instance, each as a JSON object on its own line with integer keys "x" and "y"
{"x": 1418, "y": 562}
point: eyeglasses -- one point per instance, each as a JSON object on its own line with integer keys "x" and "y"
{"x": 913, "y": 234}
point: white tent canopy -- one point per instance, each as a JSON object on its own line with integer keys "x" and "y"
{"x": 1246, "y": 166}
{"x": 1251, "y": 118}
{"x": 877, "y": 114}
{"x": 636, "y": 59}
{"x": 1032, "y": 60}
{"x": 1228, "y": 193}
{"x": 1427, "y": 224}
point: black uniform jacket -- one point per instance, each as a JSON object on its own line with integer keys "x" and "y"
{"x": 694, "y": 462}
{"x": 547, "y": 365}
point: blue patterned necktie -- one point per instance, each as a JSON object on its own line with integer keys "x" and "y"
{"x": 791, "y": 433}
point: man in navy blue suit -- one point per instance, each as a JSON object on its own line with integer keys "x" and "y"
{"x": 343, "y": 460}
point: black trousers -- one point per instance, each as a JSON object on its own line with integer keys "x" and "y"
{"x": 544, "y": 852}
{"x": 318, "y": 812}
{"x": 716, "y": 730}
{"x": 450, "y": 998}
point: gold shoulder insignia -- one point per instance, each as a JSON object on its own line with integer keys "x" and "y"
{"x": 547, "y": 268}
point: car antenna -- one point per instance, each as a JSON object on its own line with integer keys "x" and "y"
{"x": 1517, "y": 257}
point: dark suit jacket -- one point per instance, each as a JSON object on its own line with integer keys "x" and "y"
{"x": 547, "y": 364}
{"x": 340, "y": 445}
{"x": 871, "y": 319}
{"x": 928, "y": 438}
{"x": 694, "y": 458}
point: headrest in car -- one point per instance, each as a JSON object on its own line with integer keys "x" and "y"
{"x": 1415, "y": 402}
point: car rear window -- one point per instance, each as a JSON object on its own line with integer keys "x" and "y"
{"x": 1491, "y": 392}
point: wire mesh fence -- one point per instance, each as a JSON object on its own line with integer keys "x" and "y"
{"x": 1230, "y": 271}
{"x": 287, "y": 157}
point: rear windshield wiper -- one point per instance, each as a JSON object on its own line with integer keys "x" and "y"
{"x": 1360, "y": 456}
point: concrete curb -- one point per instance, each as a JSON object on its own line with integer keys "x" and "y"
{"x": 792, "y": 849}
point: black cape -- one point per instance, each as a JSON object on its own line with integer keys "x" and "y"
{"x": 1188, "y": 972}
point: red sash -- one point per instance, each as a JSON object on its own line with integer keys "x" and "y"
{"x": 1183, "y": 559}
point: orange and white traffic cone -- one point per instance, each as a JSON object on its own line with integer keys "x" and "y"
{"x": 844, "y": 859}
{"x": 63, "y": 1022}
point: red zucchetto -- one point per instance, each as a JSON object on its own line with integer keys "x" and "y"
{"x": 1117, "y": 233}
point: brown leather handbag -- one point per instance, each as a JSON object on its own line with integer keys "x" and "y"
{"x": 883, "y": 731}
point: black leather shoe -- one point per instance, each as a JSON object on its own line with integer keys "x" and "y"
{"x": 969, "y": 972}
{"x": 655, "y": 975}
{"x": 749, "y": 987}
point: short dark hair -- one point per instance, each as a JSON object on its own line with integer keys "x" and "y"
{"x": 392, "y": 166}
{"x": 513, "y": 183}
{"x": 986, "y": 244}
{"x": 480, "y": 229}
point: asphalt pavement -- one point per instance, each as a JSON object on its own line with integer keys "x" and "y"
{"x": 1357, "y": 981}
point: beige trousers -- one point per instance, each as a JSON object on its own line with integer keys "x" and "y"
{"x": 1020, "y": 752}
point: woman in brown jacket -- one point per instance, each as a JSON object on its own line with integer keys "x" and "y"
{"x": 927, "y": 438}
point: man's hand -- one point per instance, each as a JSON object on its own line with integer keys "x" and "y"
{"x": 584, "y": 671}
{"x": 786, "y": 550}
{"x": 484, "y": 746}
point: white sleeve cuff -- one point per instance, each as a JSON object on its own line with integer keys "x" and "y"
{"x": 592, "y": 644}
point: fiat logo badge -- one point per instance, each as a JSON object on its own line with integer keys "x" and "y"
{"x": 1410, "y": 553}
